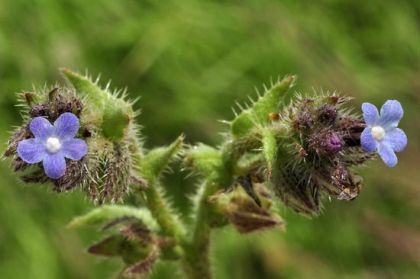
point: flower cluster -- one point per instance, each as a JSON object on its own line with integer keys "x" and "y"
{"x": 317, "y": 155}
{"x": 52, "y": 144}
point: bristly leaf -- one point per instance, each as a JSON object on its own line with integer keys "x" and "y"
{"x": 133, "y": 243}
{"x": 203, "y": 159}
{"x": 108, "y": 111}
{"x": 86, "y": 88}
{"x": 143, "y": 266}
{"x": 269, "y": 148}
{"x": 116, "y": 121}
{"x": 158, "y": 159}
{"x": 259, "y": 112}
{"x": 110, "y": 246}
{"x": 110, "y": 212}
{"x": 248, "y": 213}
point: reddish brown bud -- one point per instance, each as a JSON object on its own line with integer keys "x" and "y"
{"x": 144, "y": 266}
{"x": 243, "y": 211}
{"x": 274, "y": 116}
{"x": 19, "y": 135}
{"x": 40, "y": 110}
{"x": 29, "y": 98}
{"x": 327, "y": 114}
{"x": 304, "y": 121}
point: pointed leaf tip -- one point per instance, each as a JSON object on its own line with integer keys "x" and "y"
{"x": 259, "y": 112}
{"x": 86, "y": 88}
{"x": 112, "y": 114}
{"x": 111, "y": 212}
{"x": 158, "y": 159}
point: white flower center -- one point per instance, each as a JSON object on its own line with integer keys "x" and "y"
{"x": 378, "y": 133}
{"x": 53, "y": 145}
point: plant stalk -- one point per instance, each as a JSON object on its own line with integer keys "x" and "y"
{"x": 196, "y": 260}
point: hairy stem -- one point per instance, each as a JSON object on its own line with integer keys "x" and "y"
{"x": 196, "y": 260}
{"x": 160, "y": 209}
{"x": 164, "y": 216}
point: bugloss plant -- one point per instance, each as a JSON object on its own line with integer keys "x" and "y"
{"x": 284, "y": 147}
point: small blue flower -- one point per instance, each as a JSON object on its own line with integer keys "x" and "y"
{"x": 53, "y": 143}
{"x": 381, "y": 133}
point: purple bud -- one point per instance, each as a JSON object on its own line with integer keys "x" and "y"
{"x": 325, "y": 142}
{"x": 333, "y": 144}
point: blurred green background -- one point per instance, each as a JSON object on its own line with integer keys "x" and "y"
{"x": 190, "y": 60}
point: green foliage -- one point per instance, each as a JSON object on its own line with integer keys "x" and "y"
{"x": 189, "y": 70}
{"x": 115, "y": 121}
{"x": 111, "y": 113}
{"x": 96, "y": 97}
{"x": 106, "y": 213}
{"x": 269, "y": 143}
{"x": 203, "y": 159}
{"x": 158, "y": 159}
{"x": 259, "y": 112}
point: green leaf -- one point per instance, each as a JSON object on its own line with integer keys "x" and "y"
{"x": 110, "y": 246}
{"x": 115, "y": 121}
{"x": 143, "y": 266}
{"x": 203, "y": 159}
{"x": 158, "y": 159}
{"x": 269, "y": 147}
{"x": 261, "y": 109}
{"x": 111, "y": 113}
{"x": 86, "y": 88}
{"x": 108, "y": 212}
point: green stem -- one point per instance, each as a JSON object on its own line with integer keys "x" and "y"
{"x": 170, "y": 225}
{"x": 159, "y": 208}
{"x": 164, "y": 216}
{"x": 196, "y": 259}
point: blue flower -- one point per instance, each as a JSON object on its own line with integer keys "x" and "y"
{"x": 381, "y": 133}
{"x": 53, "y": 143}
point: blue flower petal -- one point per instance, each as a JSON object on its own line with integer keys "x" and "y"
{"x": 41, "y": 128}
{"x": 67, "y": 125}
{"x": 387, "y": 154}
{"x": 370, "y": 114}
{"x": 397, "y": 139}
{"x": 54, "y": 165}
{"x": 391, "y": 114}
{"x": 31, "y": 151}
{"x": 74, "y": 149}
{"x": 367, "y": 141}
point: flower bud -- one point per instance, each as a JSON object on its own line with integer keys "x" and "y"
{"x": 296, "y": 188}
{"x": 352, "y": 129}
{"x": 325, "y": 143}
{"x": 304, "y": 122}
{"x": 40, "y": 110}
{"x": 333, "y": 143}
{"x": 244, "y": 212}
{"x": 327, "y": 114}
